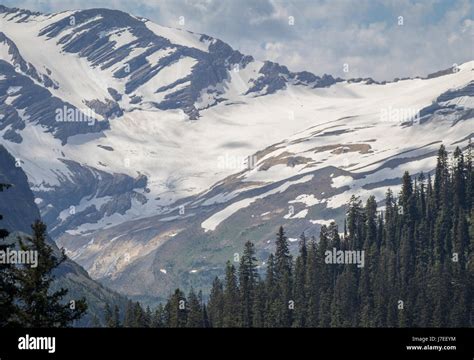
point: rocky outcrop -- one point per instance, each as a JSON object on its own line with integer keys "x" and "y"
{"x": 19, "y": 211}
{"x": 115, "y": 193}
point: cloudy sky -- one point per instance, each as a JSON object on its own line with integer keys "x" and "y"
{"x": 382, "y": 39}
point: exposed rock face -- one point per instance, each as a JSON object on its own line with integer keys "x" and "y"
{"x": 453, "y": 105}
{"x": 17, "y": 203}
{"x": 115, "y": 193}
{"x": 22, "y": 100}
{"x": 19, "y": 211}
{"x": 276, "y": 77}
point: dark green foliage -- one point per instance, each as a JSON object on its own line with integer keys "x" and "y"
{"x": 195, "y": 317}
{"x": 248, "y": 277}
{"x": 300, "y": 318}
{"x": 418, "y": 269}
{"x": 38, "y": 306}
{"x": 136, "y": 316}
{"x": 175, "y": 309}
{"x": 232, "y": 312}
{"x": 215, "y": 306}
{"x": 26, "y": 297}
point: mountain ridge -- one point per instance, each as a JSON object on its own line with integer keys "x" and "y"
{"x": 146, "y": 188}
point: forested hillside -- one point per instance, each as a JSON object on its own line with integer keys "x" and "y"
{"x": 417, "y": 268}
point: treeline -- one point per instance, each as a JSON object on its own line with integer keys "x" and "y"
{"x": 26, "y": 297}
{"x": 418, "y": 268}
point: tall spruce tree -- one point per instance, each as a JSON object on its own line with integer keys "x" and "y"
{"x": 194, "y": 309}
{"x": 232, "y": 312}
{"x": 158, "y": 318}
{"x": 284, "y": 304}
{"x": 215, "y": 305}
{"x": 272, "y": 295}
{"x": 301, "y": 307}
{"x": 39, "y": 305}
{"x": 259, "y": 306}
{"x": 176, "y": 310}
{"x": 248, "y": 278}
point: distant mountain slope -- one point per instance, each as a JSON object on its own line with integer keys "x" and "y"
{"x": 189, "y": 148}
{"x": 19, "y": 211}
{"x": 302, "y": 183}
{"x": 103, "y": 65}
{"x": 134, "y": 63}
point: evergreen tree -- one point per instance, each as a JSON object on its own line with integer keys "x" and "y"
{"x": 248, "y": 277}
{"x": 129, "y": 318}
{"x": 139, "y": 316}
{"x": 205, "y": 317}
{"x": 300, "y": 318}
{"x": 116, "y": 317}
{"x": 313, "y": 277}
{"x": 259, "y": 306}
{"x": 231, "y": 316}
{"x": 194, "y": 309}
{"x": 367, "y": 273}
{"x": 39, "y": 306}
{"x": 272, "y": 294}
{"x": 148, "y": 318}
{"x": 215, "y": 306}
{"x": 355, "y": 223}
{"x": 158, "y": 318}
{"x": 284, "y": 304}
{"x": 111, "y": 318}
{"x": 175, "y": 309}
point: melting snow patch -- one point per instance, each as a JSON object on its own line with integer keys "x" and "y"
{"x": 178, "y": 36}
{"x": 322, "y": 222}
{"x": 13, "y": 90}
{"x": 11, "y": 98}
{"x": 308, "y": 200}
{"x": 122, "y": 38}
{"x": 301, "y": 215}
{"x": 212, "y": 222}
{"x": 341, "y": 181}
{"x": 115, "y": 238}
{"x": 158, "y": 55}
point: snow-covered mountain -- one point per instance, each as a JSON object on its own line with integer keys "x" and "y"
{"x": 187, "y": 148}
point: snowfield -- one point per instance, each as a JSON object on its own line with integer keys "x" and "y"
{"x": 188, "y": 142}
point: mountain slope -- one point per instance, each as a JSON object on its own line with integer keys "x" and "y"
{"x": 179, "y": 148}
{"x": 19, "y": 210}
{"x": 301, "y": 182}
{"x": 105, "y": 65}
